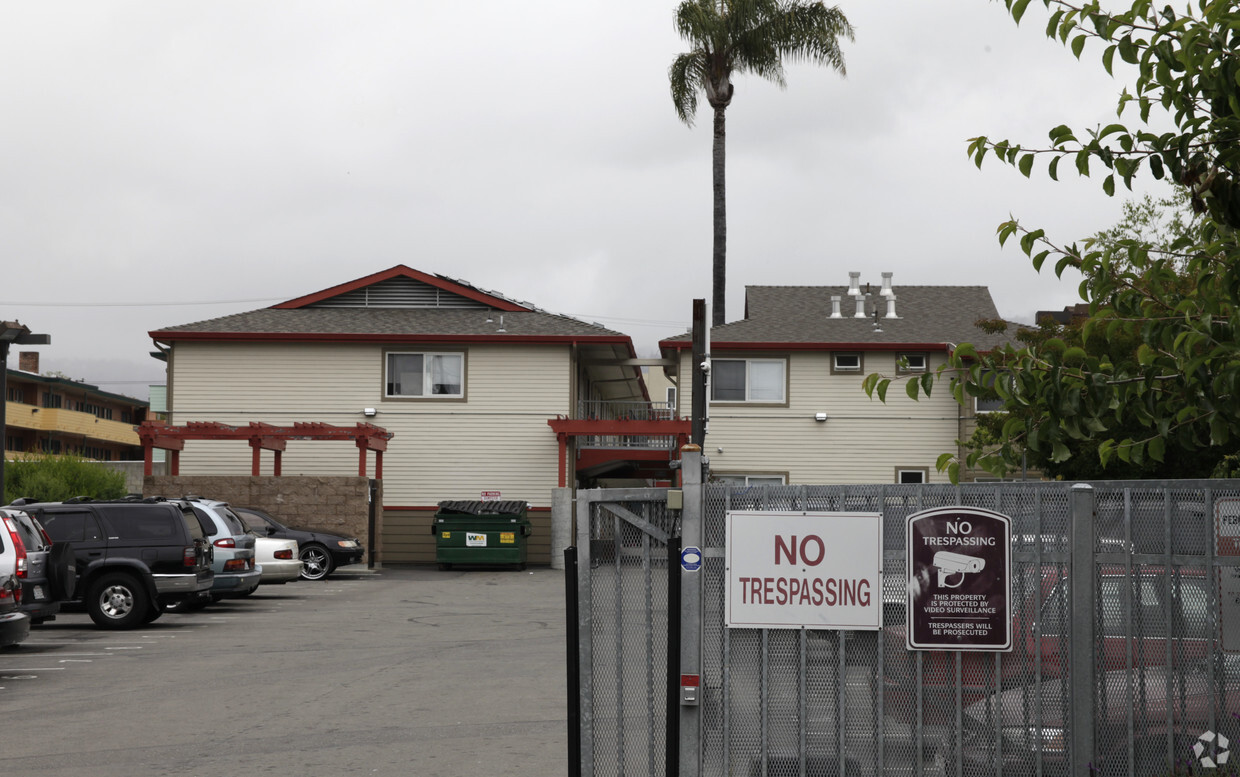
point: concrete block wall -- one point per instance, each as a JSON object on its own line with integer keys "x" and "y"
{"x": 336, "y": 504}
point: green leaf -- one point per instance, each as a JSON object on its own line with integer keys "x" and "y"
{"x": 869, "y": 383}
{"x": 1026, "y": 164}
{"x": 927, "y": 382}
{"x": 910, "y": 388}
{"x": 1082, "y": 163}
{"x": 1156, "y": 447}
{"x": 882, "y": 389}
{"x": 1054, "y": 169}
{"x": 1108, "y": 186}
{"x": 1078, "y": 44}
{"x": 943, "y": 460}
{"x": 1018, "y": 9}
{"x": 1108, "y": 57}
{"x": 1060, "y": 453}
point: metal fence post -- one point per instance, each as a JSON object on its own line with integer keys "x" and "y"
{"x": 572, "y": 641}
{"x": 1082, "y": 685}
{"x": 585, "y": 632}
{"x": 691, "y": 608}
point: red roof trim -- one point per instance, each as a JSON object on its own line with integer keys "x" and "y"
{"x": 401, "y": 271}
{"x": 684, "y": 345}
{"x": 306, "y": 337}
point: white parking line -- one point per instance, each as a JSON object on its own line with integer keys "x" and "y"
{"x": 7, "y": 676}
{"x": 125, "y": 647}
{"x": 76, "y": 661}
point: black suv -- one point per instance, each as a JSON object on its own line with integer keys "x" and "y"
{"x": 132, "y": 556}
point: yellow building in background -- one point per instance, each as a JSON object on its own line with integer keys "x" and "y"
{"x": 53, "y": 415}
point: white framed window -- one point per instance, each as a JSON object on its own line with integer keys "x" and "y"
{"x": 913, "y": 362}
{"x": 846, "y": 362}
{"x": 747, "y": 380}
{"x": 750, "y": 480}
{"x": 981, "y": 406}
{"x": 439, "y": 375}
{"x": 912, "y": 474}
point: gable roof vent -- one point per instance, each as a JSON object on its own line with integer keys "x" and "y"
{"x": 860, "y": 307}
{"x": 887, "y": 292}
{"x": 854, "y": 284}
{"x": 835, "y": 306}
{"x": 891, "y": 307}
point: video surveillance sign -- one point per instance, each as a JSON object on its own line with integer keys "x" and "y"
{"x": 960, "y": 580}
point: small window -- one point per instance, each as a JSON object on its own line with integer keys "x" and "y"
{"x": 981, "y": 405}
{"x": 747, "y": 380}
{"x": 913, "y": 475}
{"x": 425, "y": 375}
{"x": 750, "y": 480}
{"x": 846, "y": 362}
{"x": 913, "y": 362}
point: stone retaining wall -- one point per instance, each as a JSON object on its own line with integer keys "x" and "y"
{"x": 335, "y": 504}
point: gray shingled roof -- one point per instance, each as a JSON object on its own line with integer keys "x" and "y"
{"x": 801, "y": 315}
{"x": 391, "y": 321}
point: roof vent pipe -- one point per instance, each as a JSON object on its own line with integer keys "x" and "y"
{"x": 854, "y": 283}
{"x": 860, "y": 307}
{"x": 891, "y": 307}
{"x": 887, "y": 292}
{"x": 835, "y": 306}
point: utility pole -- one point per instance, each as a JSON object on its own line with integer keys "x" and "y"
{"x": 697, "y": 429}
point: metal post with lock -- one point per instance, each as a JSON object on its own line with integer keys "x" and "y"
{"x": 691, "y": 612}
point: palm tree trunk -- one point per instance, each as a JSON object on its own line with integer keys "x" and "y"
{"x": 720, "y": 265}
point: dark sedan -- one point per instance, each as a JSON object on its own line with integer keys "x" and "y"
{"x": 321, "y": 552}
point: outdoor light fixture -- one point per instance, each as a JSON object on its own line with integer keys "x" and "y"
{"x": 820, "y": 416}
{"x": 369, "y": 412}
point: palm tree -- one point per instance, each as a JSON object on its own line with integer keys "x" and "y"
{"x": 744, "y": 36}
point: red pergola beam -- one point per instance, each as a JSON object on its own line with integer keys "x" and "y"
{"x": 260, "y": 436}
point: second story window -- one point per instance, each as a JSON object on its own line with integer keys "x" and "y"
{"x": 845, "y": 362}
{"x": 440, "y": 375}
{"x": 747, "y": 380}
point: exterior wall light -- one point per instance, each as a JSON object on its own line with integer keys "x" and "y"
{"x": 369, "y": 412}
{"x": 820, "y": 417}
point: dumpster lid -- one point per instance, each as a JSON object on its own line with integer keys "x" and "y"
{"x": 476, "y": 507}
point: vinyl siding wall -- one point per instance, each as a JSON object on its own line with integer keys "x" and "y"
{"x": 495, "y": 440}
{"x": 863, "y": 440}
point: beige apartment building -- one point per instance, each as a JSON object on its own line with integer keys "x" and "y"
{"x": 486, "y": 397}
{"x": 786, "y": 398}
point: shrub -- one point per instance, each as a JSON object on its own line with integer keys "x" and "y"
{"x": 56, "y": 478}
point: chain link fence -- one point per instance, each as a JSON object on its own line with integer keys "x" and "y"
{"x": 792, "y": 703}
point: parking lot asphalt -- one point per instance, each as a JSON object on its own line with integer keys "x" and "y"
{"x": 400, "y": 671}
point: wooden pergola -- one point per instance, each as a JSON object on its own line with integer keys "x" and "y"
{"x": 261, "y": 437}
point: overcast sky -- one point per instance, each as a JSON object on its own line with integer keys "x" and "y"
{"x": 165, "y": 163}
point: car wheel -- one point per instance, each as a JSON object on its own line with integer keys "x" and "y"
{"x": 316, "y": 562}
{"x": 117, "y": 601}
{"x": 62, "y": 571}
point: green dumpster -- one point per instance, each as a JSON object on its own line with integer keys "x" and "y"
{"x": 490, "y": 533}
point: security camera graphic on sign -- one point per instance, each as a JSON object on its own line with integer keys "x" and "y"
{"x": 950, "y": 564}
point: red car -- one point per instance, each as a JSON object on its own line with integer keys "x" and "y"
{"x": 1040, "y": 643}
